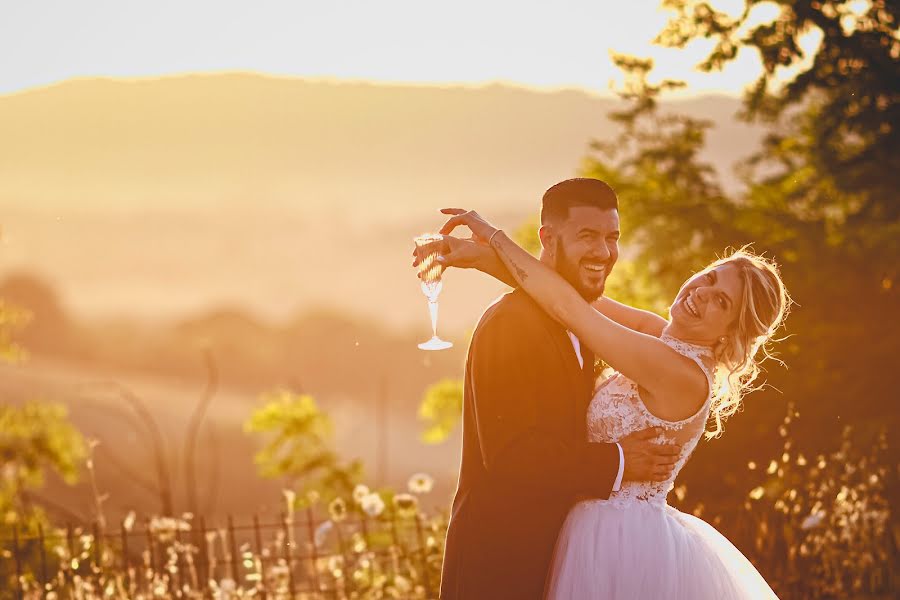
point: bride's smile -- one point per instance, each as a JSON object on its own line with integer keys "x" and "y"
{"x": 706, "y": 307}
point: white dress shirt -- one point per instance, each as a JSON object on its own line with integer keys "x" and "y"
{"x": 618, "y": 483}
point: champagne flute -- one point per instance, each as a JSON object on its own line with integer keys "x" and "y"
{"x": 428, "y": 247}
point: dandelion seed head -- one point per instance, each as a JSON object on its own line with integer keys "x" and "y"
{"x": 337, "y": 508}
{"x": 406, "y": 504}
{"x": 420, "y": 483}
{"x": 360, "y": 492}
{"x": 372, "y": 505}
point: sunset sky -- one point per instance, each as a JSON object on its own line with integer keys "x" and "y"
{"x": 532, "y": 43}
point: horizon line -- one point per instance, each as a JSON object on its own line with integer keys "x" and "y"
{"x": 334, "y": 80}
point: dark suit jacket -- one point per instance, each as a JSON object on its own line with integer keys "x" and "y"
{"x": 525, "y": 454}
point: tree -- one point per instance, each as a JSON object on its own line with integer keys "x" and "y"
{"x": 851, "y": 82}
{"x": 11, "y": 319}
{"x": 34, "y": 438}
{"x": 299, "y": 448}
{"x": 441, "y": 409}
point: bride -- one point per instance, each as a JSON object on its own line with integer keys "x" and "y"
{"x": 678, "y": 375}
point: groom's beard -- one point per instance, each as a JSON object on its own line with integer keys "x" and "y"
{"x": 571, "y": 272}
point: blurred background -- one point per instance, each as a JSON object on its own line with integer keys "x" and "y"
{"x": 207, "y": 213}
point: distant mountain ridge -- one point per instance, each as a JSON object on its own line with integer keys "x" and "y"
{"x": 204, "y": 140}
{"x": 166, "y": 196}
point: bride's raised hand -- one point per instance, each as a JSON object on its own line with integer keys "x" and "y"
{"x": 478, "y": 225}
{"x": 462, "y": 254}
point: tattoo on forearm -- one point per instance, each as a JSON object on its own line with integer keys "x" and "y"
{"x": 521, "y": 274}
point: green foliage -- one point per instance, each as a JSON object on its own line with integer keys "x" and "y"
{"x": 370, "y": 544}
{"x": 299, "y": 447}
{"x": 674, "y": 215}
{"x": 817, "y": 524}
{"x": 850, "y": 80}
{"x": 526, "y": 235}
{"x": 441, "y": 408}
{"x": 837, "y": 238}
{"x": 36, "y": 437}
{"x": 11, "y": 319}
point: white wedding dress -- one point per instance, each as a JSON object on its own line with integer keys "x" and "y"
{"x": 634, "y": 546}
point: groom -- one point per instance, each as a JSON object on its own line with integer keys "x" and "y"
{"x": 528, "y": 383}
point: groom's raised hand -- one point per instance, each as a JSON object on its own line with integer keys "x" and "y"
{"x": 645, "y": 458}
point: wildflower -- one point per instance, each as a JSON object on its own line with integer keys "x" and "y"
{"x": 842, "y": 495}
{"x": 360, "y": 492}
{"x": 814, "y": 519}
{"x": 128, "y": 522}
{"x": 405, "y": 504}
{"x": 322, "y": 532}
{"x": 290, "y": 498}
{"x": 358, "y": 543}
{"x": 757, "y": 492}
{"x": 165, "y": 528}
{"x": 334, "y": 565}
{"x": 337, "y": 509}
{"x": 279, "y": 572}
{"x": 227, "y": 586}
{"x": 402, "y": 584}
{"x": 372, "y": 505}
{"x": 420, "y": 483}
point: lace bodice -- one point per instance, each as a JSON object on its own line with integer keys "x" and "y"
{"x": 617, "y": 410}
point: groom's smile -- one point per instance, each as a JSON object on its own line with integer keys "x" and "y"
{"x": 585, "y": 247}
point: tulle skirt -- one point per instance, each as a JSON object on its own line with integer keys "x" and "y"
{"x": 641, "y": 550}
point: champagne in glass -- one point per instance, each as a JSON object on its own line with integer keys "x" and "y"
{"x": 428, "y": 247}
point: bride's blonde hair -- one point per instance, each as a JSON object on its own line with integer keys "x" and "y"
{"x": 763, "y": 308}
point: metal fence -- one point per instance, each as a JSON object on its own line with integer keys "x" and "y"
{"x": 294, "y": 556}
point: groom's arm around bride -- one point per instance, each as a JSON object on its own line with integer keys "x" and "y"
{"x": 525, "y": 453}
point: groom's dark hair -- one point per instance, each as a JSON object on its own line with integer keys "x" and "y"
{"x": 580, "y": 191}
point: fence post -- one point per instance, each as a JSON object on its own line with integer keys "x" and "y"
{"x": 396, "y": 547}
{"x": 179, "y": 562}
{"x": 202, "y": 556}
{"x": 232, "y": 550}
{"x": 364, "y": 525}
{"x": 424, "y": 551}
{"x": 18, "y": 559}
{"x": 126, "y": 560}
{"x": 257, "y": 538}
{"x": 70, "y": 542}
{"x": 43, "y": 550}
{"x": 288, "y": 550}
{"x": 150, "y": 550}
{"x": 97, "y": 550}
{"x": 314, "y": 553}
